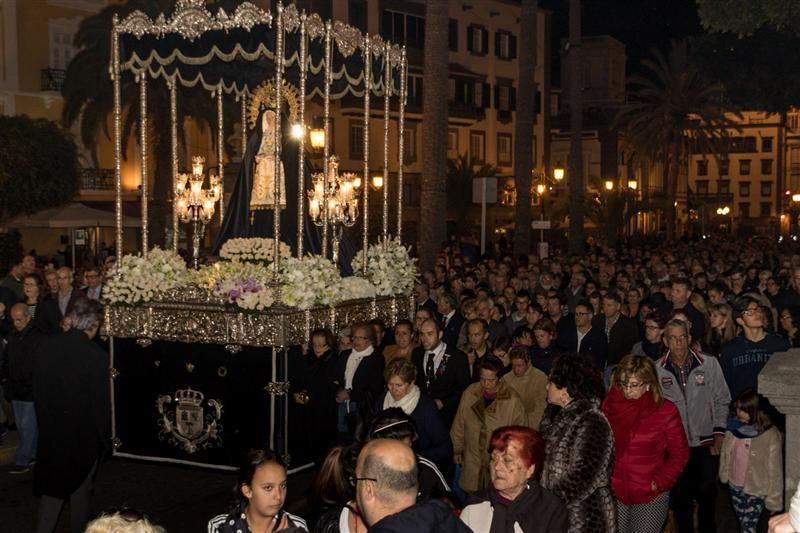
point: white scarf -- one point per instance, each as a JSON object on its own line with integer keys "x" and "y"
{"x": 352, "y": 365}
{"x": 407, "y": 403}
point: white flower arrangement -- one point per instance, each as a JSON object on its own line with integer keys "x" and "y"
{"x": 310, "y": 281}
{"x": 356, "y": 288}
{"x": 391, "y": 270}
{"x": 138, "y": 279}
{"x": 257, "y": 250}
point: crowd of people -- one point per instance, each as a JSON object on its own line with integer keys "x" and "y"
{"x": 602, "y": 393}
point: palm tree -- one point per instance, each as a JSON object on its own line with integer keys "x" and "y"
{"x": 434, "y": 132}
{"x": 461, "y": 172}
{"x": 672, "y": 110}
{"x": 88, "y": 97}
{"x": 523, "y": 137}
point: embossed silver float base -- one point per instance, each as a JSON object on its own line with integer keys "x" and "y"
{"x": 184, "y": 320}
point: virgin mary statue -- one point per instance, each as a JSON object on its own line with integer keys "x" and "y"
{"x": 251, "y": 208}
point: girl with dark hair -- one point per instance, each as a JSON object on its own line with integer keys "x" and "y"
{"x": 579, "y": 445}
{"x": 789, "y": 325}
{"x": 261, "y": 493}
{"x": 484, "y": 407}
{"x": 33, "y": 289}
{"x": 544, "y": 351}
{"x": 333, "y": 496}
{"x": 651, "y": 345}
{"x": 750, "y": 461}
{"x": 515, "y": 501}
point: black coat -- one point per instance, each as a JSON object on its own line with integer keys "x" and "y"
{"x": 624, "y": 334}
{"x": 48, "y": 313}
{"x": 536, "y": 510}
{"x": 73, "y": 409}
{"x": 594, "y": 346}
{"x": 316, "y": 377}
{"x": 448, "y": 387}
{"x": 368, "y": 379}
{"x": 453, "y": 329}
{"x": 432, "y": 516}
{"x": 18, "y": 363}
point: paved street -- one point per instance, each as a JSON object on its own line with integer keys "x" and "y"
{"x": 182, "y": 499}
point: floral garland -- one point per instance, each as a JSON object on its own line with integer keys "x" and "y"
{"x": 139, "y": 279}
{"x": 244, "y": 285}
{"x": 355, "y": 288}
{"x": 310, "y": 281}
{"x": 391, "y": 270}
{"x": 257, "y": 250}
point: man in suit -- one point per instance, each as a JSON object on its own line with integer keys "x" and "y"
{"x": 94, "y": 283}
{"x": 452, "y": 320}
{"x": 424, "y": 298}
{"x": 442, "y": 370}
{"x": 621, "y": 331}
{"x": 583, "y": 338}
{"x": 54, "y": 310}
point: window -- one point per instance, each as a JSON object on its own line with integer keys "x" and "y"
{"x": 744, "y": 189}
{"x": 702, "y": 167}
{"x": 766, "y": 188}
{"x": 452, "y": 35}
{"x": 742, "y": 145}
{"x": 452, "y": 143}
{"x": 358, "y": 14}
{"x": 766, "y": 166}
{"x": 409, "y": 145}
{"x": 724, "y": 186}
{"x": 62, "y": 33}
{"x": 766, "y": 209}
{"x": 404, "y": 28}
{"x": 477, "y": 40}
{"x": 357, "y": 140}
{"x": 414, "y": 90}
{"x": 477, "y": 146}
{"x": 505, "y": 45}
{"x": 744, "y": 210}
{"x": 702, "y": 187}
{"x": 477, "y": 99}
{"x": 724, "y": 167}
{"x": 744, "y": 167}
{"x": 504, "y": 149}
{"x": 766, "y": 144}
{"x": 505, "y": 98}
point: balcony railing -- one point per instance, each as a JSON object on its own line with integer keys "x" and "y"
{"x": 97, "y": 179}
{"x": 53, "y": 79}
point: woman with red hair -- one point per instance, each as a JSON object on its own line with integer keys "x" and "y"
{"x": 515, "y": 501}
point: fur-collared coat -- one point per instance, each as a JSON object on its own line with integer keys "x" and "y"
{"x": 474, "y": 424}
{"x": 578, "y": 465}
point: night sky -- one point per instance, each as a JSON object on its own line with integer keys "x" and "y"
{"x": 639, "y": 24}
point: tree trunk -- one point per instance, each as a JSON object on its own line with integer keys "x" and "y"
{"x": 433, "y": 220}
{"x": 671, "y": 188}
{"x": 575, "y": 176}
{"x": 523, "y": 138}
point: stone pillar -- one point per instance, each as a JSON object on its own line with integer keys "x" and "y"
{"x": 779, "y": 381}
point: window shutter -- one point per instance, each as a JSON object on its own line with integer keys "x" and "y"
{"x": 497, "y": 97}
{"x": 497, "y": 44}
{"x": 470, "y": 47}
{"x": 512, "y": 99}
{"x": 485, "y": 41}
{"x": 512, "y": 46}
{"x": 487, "y": 88}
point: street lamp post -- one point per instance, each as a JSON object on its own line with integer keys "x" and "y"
{"x": 633, "y": 186}
{"x": 543, "y": 184}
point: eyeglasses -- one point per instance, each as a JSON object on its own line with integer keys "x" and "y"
{"x": 652, "y": 328}
{"x": 354, "y": 480}
{"x": 750, "y": 311}
{"x": 630, "y": 385}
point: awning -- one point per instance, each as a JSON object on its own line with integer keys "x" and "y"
{"x": 74, "y": 215}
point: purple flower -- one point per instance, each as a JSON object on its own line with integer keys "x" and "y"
{"x": 234, "y": 295}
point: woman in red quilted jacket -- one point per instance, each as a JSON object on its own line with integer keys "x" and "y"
{"x": 650, "y": 446}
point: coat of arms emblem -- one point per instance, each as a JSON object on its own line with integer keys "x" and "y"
{"x": 185, "y": 423}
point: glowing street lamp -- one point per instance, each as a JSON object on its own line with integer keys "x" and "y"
{"x": 609, "y": 185}
{"x": 633, "y": 185}
{"x": 317, "y": 138}
{"x": 558, "y": 172}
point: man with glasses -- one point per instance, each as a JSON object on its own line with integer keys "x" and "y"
{"x": 743, "y": 357}
{"x": 737, "y": 281}
{"x": 584, "y": 339}
{"x": 693, "y": 381}
{"x": 386, "y": 491}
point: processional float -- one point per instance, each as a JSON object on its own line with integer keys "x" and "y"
{"x": 201, "y": 358}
